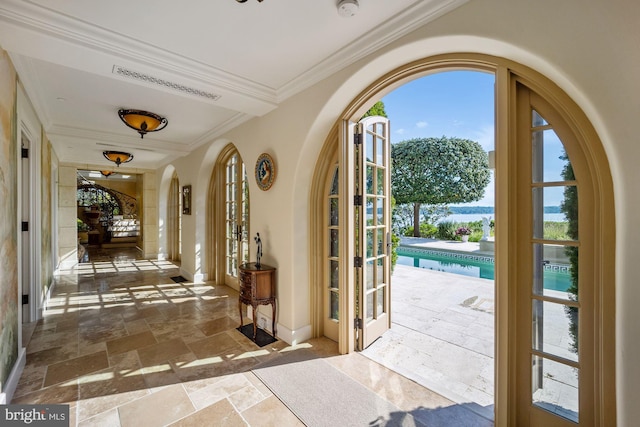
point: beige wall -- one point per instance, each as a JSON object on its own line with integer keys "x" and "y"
{"x": 588, "y": 48}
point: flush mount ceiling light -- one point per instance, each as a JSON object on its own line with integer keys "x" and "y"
{"x": 347, "y": 8}
{"x": 142, "y": 121}
{"x": 107, "y": 174}
{"x": 117, "y": 157}
{"x": 244, "y": 1}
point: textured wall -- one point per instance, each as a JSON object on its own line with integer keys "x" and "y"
{"x": 8, "y": 221}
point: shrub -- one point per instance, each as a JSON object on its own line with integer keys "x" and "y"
{"x": 447, "y": 230}
{"x": 428, "y": 230}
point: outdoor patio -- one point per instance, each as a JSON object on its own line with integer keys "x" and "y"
{"x": 442, "y": 335}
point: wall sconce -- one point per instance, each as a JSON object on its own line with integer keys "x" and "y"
{"x": 117, "y": 157}
{"x": 142, "y": 121}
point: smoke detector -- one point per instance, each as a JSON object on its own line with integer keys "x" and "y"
{"x": 347, "y": 8}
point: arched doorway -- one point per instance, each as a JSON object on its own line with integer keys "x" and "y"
{"x": 228, "y": 217}
{"x": 522, "y": 360}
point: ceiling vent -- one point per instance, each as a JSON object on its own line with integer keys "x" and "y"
{"x": 125, "y": 72}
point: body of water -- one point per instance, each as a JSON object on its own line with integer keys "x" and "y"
{"x": 556, "y": 217}
{"x": 553, "y": 279}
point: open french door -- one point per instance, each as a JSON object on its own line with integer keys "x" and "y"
{"x": 371, "y": 211}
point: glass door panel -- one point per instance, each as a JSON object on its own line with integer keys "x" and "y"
{"x": 374, "y": 222}
{"x": 332, "y": 293}
{"x": 237, "y": 218}
{"x": 554, "y": 347}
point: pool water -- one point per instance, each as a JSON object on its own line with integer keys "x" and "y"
{"x": 553, "y": 280}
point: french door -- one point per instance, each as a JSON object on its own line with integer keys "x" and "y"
{"x": 236, "y": 211}
{"x": 555, "y": 325}
{"x": 369, "y": 207}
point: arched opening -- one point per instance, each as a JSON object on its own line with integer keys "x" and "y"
{"x": 517, "y": 390}
{"x": 227, "y": 218}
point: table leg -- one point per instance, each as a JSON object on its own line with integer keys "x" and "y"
{"x": 240, "y": 308}
{"x": 273, "y": 318}
{"x": 255, "y": 329}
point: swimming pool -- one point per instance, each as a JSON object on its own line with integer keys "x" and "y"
{"x": 556, "y": 278}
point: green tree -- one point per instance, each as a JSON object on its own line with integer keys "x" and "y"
{"x": 376, "y": 110}
{"x": 438, "y": 171}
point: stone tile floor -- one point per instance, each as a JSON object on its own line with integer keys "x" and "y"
{"x": 124, "y": 345}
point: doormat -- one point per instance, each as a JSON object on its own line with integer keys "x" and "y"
{"x": 322, "y": 396}
{"x": 179, "y": 279}
{"x": 262, "y": 337}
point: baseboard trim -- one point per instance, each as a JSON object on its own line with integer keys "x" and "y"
{"x": 14, "y": 377}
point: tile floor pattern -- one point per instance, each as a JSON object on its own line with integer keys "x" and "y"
{"x": 124, "y": 345}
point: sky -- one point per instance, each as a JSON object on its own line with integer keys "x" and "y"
{"x": 459, "y": 104}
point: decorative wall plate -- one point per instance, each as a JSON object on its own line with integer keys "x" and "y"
{"x": 265, "y": 171}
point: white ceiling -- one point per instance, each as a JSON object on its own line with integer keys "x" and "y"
{"x": 76, "y": 57}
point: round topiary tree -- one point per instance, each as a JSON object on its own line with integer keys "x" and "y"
{"x": 438, "y": 171}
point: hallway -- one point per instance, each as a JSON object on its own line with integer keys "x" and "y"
{"x": 125, "y": 345}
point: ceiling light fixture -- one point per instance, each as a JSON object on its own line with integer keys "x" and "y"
{"x": 244, "y": 1}
{"x": 107, "y": 174}
{"x": 117, "y": 157}
{"x": 142, "y": 121}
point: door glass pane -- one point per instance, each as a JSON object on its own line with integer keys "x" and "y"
{"x": 537, "y": 119}
{"x": 555, "y": 270}
{"x": 562, "y": 203}
{"x": 380, "y": 273}
{"x": 370, "y": 306}
{"x": 334, "y": 304}
{"x": 549, "y": 157}
{"x": 370, "y": 145}
{"x": 369, "y": 179}
{"x": 380, "y": 151}
{"x": 380, "y": 181}
{"x": 370, "y": 242}
{"x": 333, "y": 274}
{"x": 333, "y": 243}
{"x": 370, "y": 273}
{"x": 555, "y": 387}
{"x": 380, "y": 236}
{"x": 333, "y": 211}
{"x": 370, "y": 210}
{"x": 380, "y": 211}
{"x": 380, "y": 301}
{"x": 334, "y": 184}
{"x": 552, "y": 329}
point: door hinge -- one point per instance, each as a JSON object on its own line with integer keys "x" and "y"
{"x": 25, "y": 225}
{"x": 357, "y": 138}
{"x": 357, "y": 261}
{"x": 25, "y": 299}
{"x": 25, "y": 153}
{"x": 357, "y": 200}
{"x": 357, "y": 323}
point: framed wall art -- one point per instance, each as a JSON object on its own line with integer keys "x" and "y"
{"x": 265, "y": 171}
{"x": 186, "y": 199}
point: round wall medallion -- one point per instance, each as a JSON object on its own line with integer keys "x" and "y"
{"x": 265, "y": 171}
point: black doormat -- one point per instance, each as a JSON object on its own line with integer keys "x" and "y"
{"x": 262, "y": 337}
{"x": 179, "y": 279}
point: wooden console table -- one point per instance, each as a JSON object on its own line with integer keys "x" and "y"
{"x": 258, "y": 286}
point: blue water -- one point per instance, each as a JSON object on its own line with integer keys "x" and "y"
{"x": 553, "y": 280}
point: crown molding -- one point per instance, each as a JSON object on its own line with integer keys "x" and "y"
{"x": 48, "y": 23}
